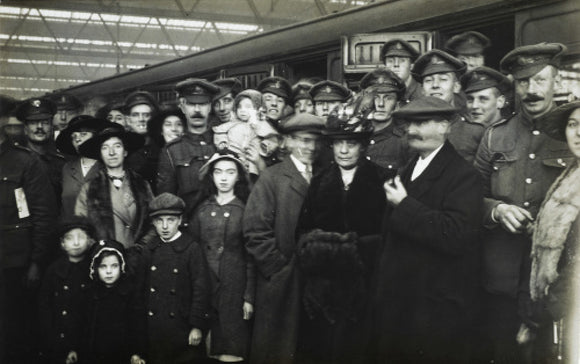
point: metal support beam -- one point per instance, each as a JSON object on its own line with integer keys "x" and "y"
{"x": 320, "y": 6}
{"x": 168, "y": 37}
{"x": 218, "y": 33}
{"x": 255, "y": 11}
{"x": 17, "y": 27}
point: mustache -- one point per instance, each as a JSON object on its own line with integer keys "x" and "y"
{"x": 532, "y": 98}
{"x": 197, "y": 115}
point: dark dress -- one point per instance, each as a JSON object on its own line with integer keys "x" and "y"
{"x": 333, "y": 325}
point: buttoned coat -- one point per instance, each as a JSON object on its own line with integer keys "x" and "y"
{"x": 177, "y": 295}
{"x": 389, "y": 148}
{"x": 428, "y": 270}
{"x": 72, "y": 181}
{"x": 270, "y": 221}
{"x": 232, "y": 275}
{"x": 54, "y": 161}
{"x": 518, "y": 163}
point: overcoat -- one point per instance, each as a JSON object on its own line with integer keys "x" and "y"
{"x": 338, "y": 333}
{"x": 427, "y": 280}
{"x": 270, "y": 221}
{"x": 72, "y": 181}
{"x": 232, "y": 275}
{"x": 389, "y": 148}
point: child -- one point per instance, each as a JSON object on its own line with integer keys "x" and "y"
{"x": 115, "y": 323}
{"x": 217, "y": 225}
{"x": 176, "y": 283}
{"x": 63, "y": 293}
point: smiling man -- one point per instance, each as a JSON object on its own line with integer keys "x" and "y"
{"x": 485, "y": 89}
{"x": 181, "y": 158}
{"x": 276, "y": 93}
{"x": 223, "y": 101}
{"x": 518, "y": 164}
{"x": 140, "y": 106}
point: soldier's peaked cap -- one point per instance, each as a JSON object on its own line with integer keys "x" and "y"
{"x": 468, "y": 43}
{"x": 196, "y": 90}
{"x": 329, "y": 91}
{"x": 35, "y": 109}
{"x": 526, "y": 61}
{"x": 482, "y": 78}
{"x": 437, "y": 61}
{"x": 399, "y": 48}
{"x": 276, "y": 85}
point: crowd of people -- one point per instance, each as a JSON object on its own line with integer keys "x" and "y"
{"x": 430, "y": 216}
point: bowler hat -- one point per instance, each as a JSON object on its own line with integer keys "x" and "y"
{"x": 63, "y": 140}
{"x": 526, "y": 61}
{"x": 92, "y": 147}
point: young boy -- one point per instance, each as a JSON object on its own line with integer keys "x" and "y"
{"x": 63, "y": 294}
{"x": 176, "y": 281}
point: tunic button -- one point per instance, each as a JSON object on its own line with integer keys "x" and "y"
{"x": 495, "y": 168}
{"x": 206, "y": 157}
{"x": 152, "y": 290}
{"x": 528, "y": 180}
{"x": 153, "y": 268}
{"x": 186, "y": 164}
{"x": 65, "y": 288}
{"x": 561, "y": 162}
{"x": 64, "y": 313}
{"x": 390, "y": 166}
{"x": 202, "y": 143}
{"x": 5, "y": 179}
{"x": 372, "y": 142}
{"x": 150, "y": 313}
{"x": 226, "y": 214}
{"x": 62, "y": 335}
{"x": 526, "y": 204}
{"x": 172, "y": 292}
{"x": 175, "y": 270}
{"x": 532, "y": 156}
{"x": 368, "y": 158}
{"x": 536, "y": 132}
{"x": 171, "y": 314}
{"x": 213, "y": 213}
{"x": 220, "y": 249}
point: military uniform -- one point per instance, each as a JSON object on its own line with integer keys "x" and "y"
{"x": 402, "y": 48}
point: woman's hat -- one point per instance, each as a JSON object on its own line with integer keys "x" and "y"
{"x": 554, "y": 123}
{"x": 103, "y": 246}
{"x": 92, "y": 147}
{"x": 224, "y": 154}
{"x": 64, "y": 141}
{"x": 349, "y": 121}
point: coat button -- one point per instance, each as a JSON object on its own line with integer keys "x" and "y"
{"x": 526, "y": 204}
{"x": 175, "y": 270}
{"x": 529, "y": 181}
{"x": 213, "y": 213}
{"x": 172, "y": 291}
{"x": 64, "y": 313}
{"x": 206, "y": 157}
{"x": 226, "y": 214}
{"x": 495, "y": 168}
{"x": 368, "y": 157}
{"x": 561, "y": 162}
{"x": 186, "y": 164}
{"x": 220, "y": 249}
{"x": 202, "y": 143}
{"x": 390, "y": 166}
{"x": 82, "y": 285}
{"x": 536, "y": 132}
{"x": 65, "y": 287}
{"x": 152, "y": 290}
{"x": 153, "y": 268}
{"x": 372, "y": 142}
{"x": 150, "y": 313}
{"x": 62, "y": 335}
{"x": 532, "y": 156}
{"x": 171, "y": 314}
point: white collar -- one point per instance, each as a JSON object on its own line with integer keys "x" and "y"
{"x": 175, "y": 237}
{"x": 301, "y": 167}
{"x": 423, "y": 163}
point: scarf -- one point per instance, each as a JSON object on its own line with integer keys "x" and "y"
{"x": 557, "y": 214}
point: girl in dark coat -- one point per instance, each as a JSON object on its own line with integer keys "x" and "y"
{"x": 340, "y": 226}
{"x": 217, "y": 225}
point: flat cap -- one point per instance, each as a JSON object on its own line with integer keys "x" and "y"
{"x": 329, "y": 91}
{"x": 526, "y": 61}
{"x": 436, "y": 61}
{"x": 35, "y": 109}
{"x": 399, "y": 48}
{"x": 554, "y": 123}
{"x": 139, "y": 98}
{"x": 196, "y": 90}
{"x": 303, "y": 122}
{"x": 468, "y": 43}
{"x": 68, "y": 102}
{"x": 383, "y": 80}
{"x": 227, "y": 85}
{"x": 425, "y": 108}
{"x": 482, "y": 78}
{"x": 301, "y": 91}
{"x": 276, "y": 85}
{"x": 166, "y": 204}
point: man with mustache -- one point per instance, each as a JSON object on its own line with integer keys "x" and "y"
{"x": 181, "y": 158}
{"x": 37, "y": 116}
{"x": 518, "y": 164}
{"x": 223, "y": 101}
{"x": 399, "y": 56}
{"x": 486, "y": 91}
{"x": 439, "y": 74}
{"x": 384, "y": 90}
{"x": 276, "y": 93}
{"x": 327, "y": 95}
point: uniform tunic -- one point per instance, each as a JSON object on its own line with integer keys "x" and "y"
{"x": 388, "y": 148}
{"x": 465, "y": 136}
{"x": 232, "y": 275}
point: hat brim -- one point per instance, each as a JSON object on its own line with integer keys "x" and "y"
{"x": 92, "y": 147}
{"x": 306, "y": 129}
{"x": 63, "y": 141}
{"x": 216, "y": 158}
{"x": 342, "y": 135}
{"x": 554, "y": 123}
{"x": 277, "y": 92}
{"x": 174, "y": 212}
{"x": 37, "y": 117}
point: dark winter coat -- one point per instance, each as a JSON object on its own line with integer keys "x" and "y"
{"x": 337, "y": 332}
{"x": 62, "y": 301}
{"x": 72, "y": 181}
{"x": 94, "y": 201}
{"x": 388, "y": 148}
{"x": 115, "y": 323}
{"x": 218, "y": 228}
{"x": 177, "y": 290}
{"x": 270, "y": 220}
{"x": 428, "y": 271}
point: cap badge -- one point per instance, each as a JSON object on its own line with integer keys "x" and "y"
{"x": 381, "y": 80}
{"x": 526, "y": 60}
{"x": 277, "y": 84}
{"x": 198, "y": 90}
{"x": 328, "y": 89}
{"x": 36, "y": 103}
{"x": 398, "y": 46}
{"x": 436, "y": 60}
{"x": 471, "y": 40}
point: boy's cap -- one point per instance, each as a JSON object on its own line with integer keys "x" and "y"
{"x": 166, "y": 204}
{"x": 75, "y": 222}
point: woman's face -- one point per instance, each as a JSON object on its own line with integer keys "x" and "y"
{"x": 113, "y": 153}
{"x": 116, "y": 117}
{"x": 171, "y": 128}
{"x": 573, "y": 133}
{"x": 347, "y": 153}
{"x": 109, "y": 270}
{"x": 225, "y": 175}
{"x": 79, "y": 137}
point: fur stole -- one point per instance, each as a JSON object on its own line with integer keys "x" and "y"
{"x": 100, "y": 206}
{"x": 557, "y": 214}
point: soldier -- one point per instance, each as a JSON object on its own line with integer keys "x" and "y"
{"x": 469, "y": 47}
{"x": 486, "y": 91}
{"x": 181, "y": 158}
{"x": 301, "y": 98}
{"x": 276, "y": 93}
{"x": 223, "y": 101}
{"x": 399, "y": 56}
{"x": 37, "y": 116}
{"x": 518, "y": 164}
{"x": 439, "y": 74}
{"x": 26, "y": 218}
{"x": 67, "y": 107}
{"x": 327, "y": 95}
{"x": 139, "y": 108}
{"x": 388, "y": 144}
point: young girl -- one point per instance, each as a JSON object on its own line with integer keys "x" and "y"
{"x": 217, "y": 225}
{"x": 115, "y": 320}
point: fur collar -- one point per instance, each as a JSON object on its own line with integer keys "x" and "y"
{"x": 557, "y": 214}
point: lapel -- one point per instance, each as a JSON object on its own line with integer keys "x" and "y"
{"x": 297, "y": 181}
{"x": 430, "y": 175}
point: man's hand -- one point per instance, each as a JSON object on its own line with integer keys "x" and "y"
{"x": 194, "y": 337}
{"x": 248, "y": 310}
{"x": 32, "y": 275}
{"x": 395, "y": 191}
{"x": 513, "y": 218}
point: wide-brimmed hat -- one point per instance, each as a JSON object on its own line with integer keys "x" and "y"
{"x": 554, "y": 123}
{"x": 349, "y": 121}
{"x": 92, "y": 147}
{"x": 223, "y": 154}
{"x": 63, "y": 140}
